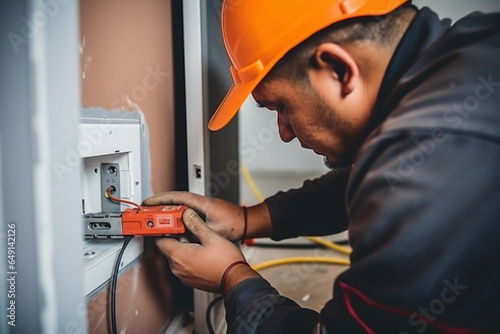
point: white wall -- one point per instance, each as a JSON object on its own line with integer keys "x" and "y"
{"x": 40, "y": 94}
{"x": 261, "y": 148}
{"x": 455, "y": 9}
{"x": 259, "y": 142}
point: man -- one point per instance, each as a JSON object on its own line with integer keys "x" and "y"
{"x": 405, "y": 108}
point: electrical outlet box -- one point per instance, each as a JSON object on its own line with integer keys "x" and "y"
{"x": 110, "y": 179}
{"x": 111, "y": 147}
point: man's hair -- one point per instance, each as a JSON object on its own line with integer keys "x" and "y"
{"x": 381, "y": 30}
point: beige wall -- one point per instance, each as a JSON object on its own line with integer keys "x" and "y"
{"x": 146, "y": 299}
{"x": 126, "y": 63}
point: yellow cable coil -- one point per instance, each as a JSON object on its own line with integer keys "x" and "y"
{"x": 331, "y": 245}
{"x": 300, "y": 259}
{"x": 251, "y": 183}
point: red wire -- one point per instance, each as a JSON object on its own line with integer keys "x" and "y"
{"x": 346, "y": 289}
{"x": 116, "y": 199}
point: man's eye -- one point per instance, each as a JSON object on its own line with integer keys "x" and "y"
{"x": 259, "y": 105}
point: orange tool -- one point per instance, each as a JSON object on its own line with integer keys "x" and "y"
{"x": 153, "y": 220}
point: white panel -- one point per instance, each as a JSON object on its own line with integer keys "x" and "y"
{"x": 108, "y": 143}
{"x": 54, "y": 109}
{"x": 99, "y": 259}
{"x": 196, "y": 126}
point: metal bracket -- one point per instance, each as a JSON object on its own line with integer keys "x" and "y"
{"x": 110, "y": 176}
{"x": 103, "y": 225}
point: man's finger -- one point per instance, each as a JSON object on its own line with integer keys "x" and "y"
{"x": 166, "y": 198}
{"x": 167, "y": 245}
{"x": 176, "y": 197}
{"x": 196, "y": 225}
{"x": 160, "y": 199}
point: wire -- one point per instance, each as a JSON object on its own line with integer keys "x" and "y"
{"x": 114, "y": 280}
{"x": 290, "y": 245}
{"x": 331, "y": 245}
{"x": 208, "y": 314}
{"x": 283, "y": 261}
{"x": 283, "y": 245}
{"x": 300, "y": 259}
{"x": 258, "y": 195}
{"x": 273, "y": 263}
{"x": 116, "y": 199}
{"x": 251, "y": 183}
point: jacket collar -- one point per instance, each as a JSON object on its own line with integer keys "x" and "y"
{"x": 425, "y": 28}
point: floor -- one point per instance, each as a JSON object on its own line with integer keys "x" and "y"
{"x": 310, "y": 285}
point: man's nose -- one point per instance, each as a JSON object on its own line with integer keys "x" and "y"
{"x": 285, "y": 130}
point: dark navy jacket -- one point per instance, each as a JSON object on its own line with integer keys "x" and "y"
{"x": 421, "y": 202}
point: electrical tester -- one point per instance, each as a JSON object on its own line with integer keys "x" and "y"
{"x": 139, "y": 221}
{"x": 146, "y": 221}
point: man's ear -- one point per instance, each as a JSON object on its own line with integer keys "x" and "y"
{"x": 332, "y": 57}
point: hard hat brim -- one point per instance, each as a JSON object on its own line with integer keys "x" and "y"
{"x": 235, "y": 97}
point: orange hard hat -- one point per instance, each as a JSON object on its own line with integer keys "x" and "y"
{"x": 258, "y": 33}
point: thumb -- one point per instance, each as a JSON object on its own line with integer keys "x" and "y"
{"x": 196, "y": 225}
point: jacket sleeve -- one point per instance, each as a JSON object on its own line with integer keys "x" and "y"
{"x": 254, "y": 306}
{"x": 424, "y": 233}
{"x": 317, "y": 208}
{"x": 425, "y": 239}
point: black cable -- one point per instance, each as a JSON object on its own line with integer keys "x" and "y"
{"x": 209, "y": 311}
{"x": 294, "y": 245}
{"x": 114, "y": 280}
{"x": 285, "y": 246}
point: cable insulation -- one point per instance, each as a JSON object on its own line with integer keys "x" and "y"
{"x": 330, "y": 245}
{"x": 209, "y": 313}
{"x": 260, "y": 197}
{"x": 116, "y": 199}
{"x": 300, "y": 259}
{"x": 114, "y": 280}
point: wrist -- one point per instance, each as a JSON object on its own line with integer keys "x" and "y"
{"x": 245, "y": 225}
{"x": 258, "y": 222}
{"x": 236, "y": 273}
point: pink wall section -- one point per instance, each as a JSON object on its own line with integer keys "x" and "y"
{"x": 126, "y": 63}
{"x": 145, "y": 299}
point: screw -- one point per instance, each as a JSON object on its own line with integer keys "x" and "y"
{"x": 150, "y": 224}
{"x": 111, "y": 169}
{"x": 89, "y": 254}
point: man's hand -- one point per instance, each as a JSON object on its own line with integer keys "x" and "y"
{"x": 202, "y": 265}
{"x": 223, "y": 217}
